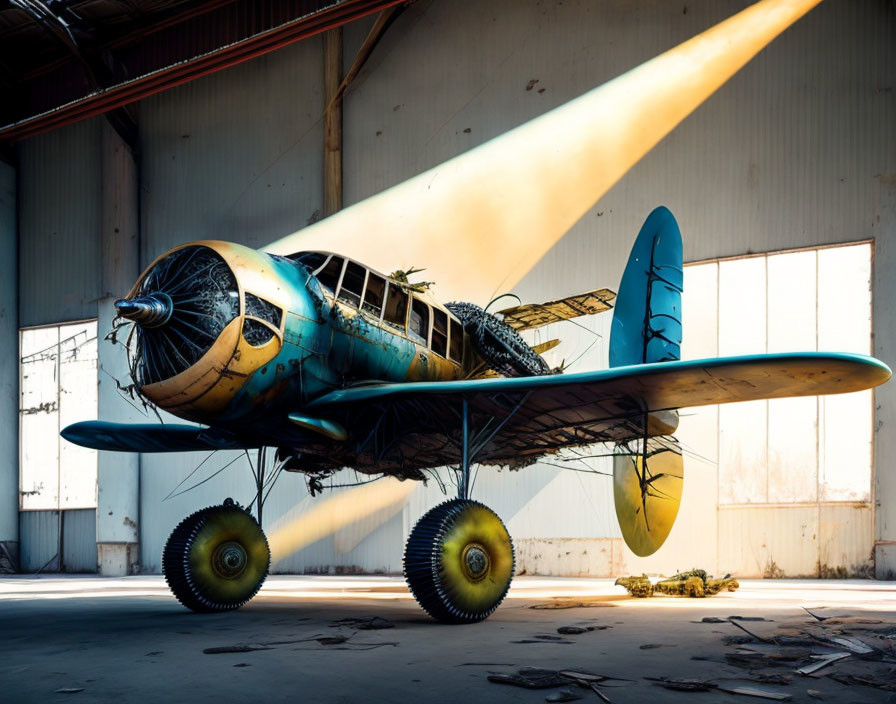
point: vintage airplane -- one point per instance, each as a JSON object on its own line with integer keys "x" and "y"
{"x": 337, "y": 365}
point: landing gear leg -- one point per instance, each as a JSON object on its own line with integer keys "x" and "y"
{"x": 218, "y": 558}
{"x": 459, "y": 558}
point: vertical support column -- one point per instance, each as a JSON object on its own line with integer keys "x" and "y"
{"x": 118, "y": 473}
{"x": 332, "y": 121}
{"x": 9, "y": 372}
{"x": 884, "y": 336}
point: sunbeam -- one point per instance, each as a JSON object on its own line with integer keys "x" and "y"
{"x": 481, "y": 221}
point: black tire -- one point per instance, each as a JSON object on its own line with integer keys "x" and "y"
{"x": 216, "y": 559}
{"x": 459, "y": 561}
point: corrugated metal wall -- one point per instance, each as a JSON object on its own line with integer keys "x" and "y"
{"x": 59, "y": 225}
{"x": 41, "y": 540}
{"x": 796, "y": 150}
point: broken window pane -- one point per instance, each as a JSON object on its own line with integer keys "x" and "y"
{"x": 329, "y": 275}
{"x": 373, "y": 295}
{"x": 457, "y": 341}
{"x": 396, "y": 307}
{"x": 58, "y": 387}
{"x": 418, "y": 326}
{"x": 352, "y": 284}
{"x": 440, "y": 332}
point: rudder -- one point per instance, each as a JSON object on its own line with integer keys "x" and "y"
{"x": 646, "y": 325}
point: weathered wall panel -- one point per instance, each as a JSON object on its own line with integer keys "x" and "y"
{"x": 9, "y": 370}
{"x": 39, "y": 541}
{"x": 769, "y": 541}
{"x": 59, "y": 225}
{"x": 79, "y": 540}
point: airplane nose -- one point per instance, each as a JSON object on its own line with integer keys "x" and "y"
{"x": 150, "y": 311}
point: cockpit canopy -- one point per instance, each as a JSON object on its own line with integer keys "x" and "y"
{"x": 390, "y": 303}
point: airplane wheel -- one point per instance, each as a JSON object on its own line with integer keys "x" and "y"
{"x": 216, "y": 559}
{"x": 459, "y": 561}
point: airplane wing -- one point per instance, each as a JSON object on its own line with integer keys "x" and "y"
{"x": 533, "y": 315}
{"x": 519, "y": 419}
{"x": 150, "y": 437}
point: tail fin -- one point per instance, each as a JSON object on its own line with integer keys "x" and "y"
{"x": 646, "y": 324}
{"x": 648, "y": 471}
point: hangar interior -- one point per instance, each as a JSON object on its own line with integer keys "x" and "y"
{"x": 783, "y": 182}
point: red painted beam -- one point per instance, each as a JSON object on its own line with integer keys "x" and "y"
{"x": 116, "y": 96}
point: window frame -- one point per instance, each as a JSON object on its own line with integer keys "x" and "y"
{"x": 60, "y": 441}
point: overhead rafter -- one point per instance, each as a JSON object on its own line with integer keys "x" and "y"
{"x": 125, "y": 92}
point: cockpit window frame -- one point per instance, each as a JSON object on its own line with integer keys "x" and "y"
{"x": 390, "y": 326}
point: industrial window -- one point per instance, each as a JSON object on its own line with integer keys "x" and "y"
{"x": 352, "y": 284}
{"x": 373, "y": 295}
{"x": 58, "y": 386}
{"x": 418, "y": 325}
{"x": 457, "y": 341}
{"x": 440, "y": 332}
{"x": 792, "y": 450}
{"x": 329, "y": 275}
{"x": 396, "y": 307}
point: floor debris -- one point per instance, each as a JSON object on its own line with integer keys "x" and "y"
{"x": 756, "y": 692}
{"x": 539, "y": 678}
{"x": 69, "y": 690}
{"x": 234, "y": 649}
{"x": 693, "y": 583}
{"x": 820, "y": 662}
{"x": 564, "y": 695}
{"x": 370, "y": 623}
{"x": 545, "y": 639}
{"x": 565, "y": 603}
{"x": 574, "y": 630}
{"x": 332, "y": 640}
{"x": 530, "y": 678}
{"x": 684, "y": 685}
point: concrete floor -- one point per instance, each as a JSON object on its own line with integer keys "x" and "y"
{"x": 128, "y": 640}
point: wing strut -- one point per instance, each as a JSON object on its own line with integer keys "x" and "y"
{"x": 471, "y": 447}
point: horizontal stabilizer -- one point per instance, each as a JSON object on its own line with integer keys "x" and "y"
{"x": 150, "y": 437}
{"x": 534, "y": 315}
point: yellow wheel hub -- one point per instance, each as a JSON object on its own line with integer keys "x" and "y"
{"x": 216, "y": 559}
{"x": 459, "y": 561}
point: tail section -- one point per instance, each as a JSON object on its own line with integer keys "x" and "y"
{"x": 648, "y": 472}
{"x": 646, "y": 324}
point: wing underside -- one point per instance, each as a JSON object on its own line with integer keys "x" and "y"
{"x": 402, "y": 428}
{"x": 397, "y": 427}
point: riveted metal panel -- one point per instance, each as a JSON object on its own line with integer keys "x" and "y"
{"x": 59, "y": 225}
{"x": 79, "y": 540}
{"x": 39, "y": 541}
{"x": 769, "y": 541}
{"x": 234, "y": 156}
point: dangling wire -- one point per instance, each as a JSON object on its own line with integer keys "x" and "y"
{"x": 503, "y": 295}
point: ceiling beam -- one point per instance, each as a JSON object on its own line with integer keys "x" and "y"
{"x": 106, "y": 99}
